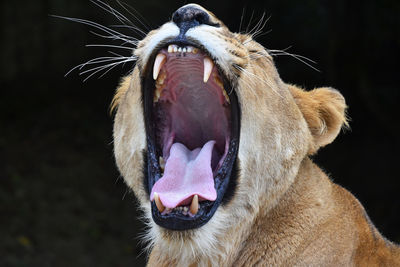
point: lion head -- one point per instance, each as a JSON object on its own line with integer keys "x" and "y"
{"x": 208, "y": 135}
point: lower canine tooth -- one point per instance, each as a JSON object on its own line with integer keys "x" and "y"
{"x": 194, "y": 207}
{"x": 159, "y": 205}
{"x": 162, "y": 163}
{"x": 208, "y": 66}
{"x": 158, "y": 63}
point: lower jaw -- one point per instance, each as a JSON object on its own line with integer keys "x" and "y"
{"x": 225, "y": 184}
{"x": 224, "y": 181}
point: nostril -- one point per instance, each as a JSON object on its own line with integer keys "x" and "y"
{"x": 188, "y": 16}
{"x": 202, "y": 18}
{"x": 176, "y": 17}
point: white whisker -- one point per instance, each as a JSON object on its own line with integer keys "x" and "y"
{"x": 251, "y": 19}
{"x": 115, "y": 34}
{"x": 300, "y": 58}
{"x": 132, "y": 41}
{"x": 259, "y": 26}
{"x": 241, "y": 19}
{"x": 283, "y": 52}
{"x": 116, "y": 64}
{"x": 121, "y": 18}
{"x": 118, "y": 55}
{"x": 94, "y": 61}
{"x": 111, "y": 46}
{"x": 101, "y": 68}
{"x": 104, "y": 66}
{"x": 126, "y": 42}
{"x": 141, "y": 20}
{"x": 106, "y": 7}
{"x": 133, "y": 28}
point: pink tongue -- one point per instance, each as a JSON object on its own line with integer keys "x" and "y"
{"x": 187, "y": 173}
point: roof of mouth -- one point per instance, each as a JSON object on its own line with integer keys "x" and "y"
{"x": 196, "y": 111}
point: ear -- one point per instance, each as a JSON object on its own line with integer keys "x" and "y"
{"x": 324, "y": 109}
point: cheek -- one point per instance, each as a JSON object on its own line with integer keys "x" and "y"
{"x": 130, "y": 141}
{"x": 273, "y": 130}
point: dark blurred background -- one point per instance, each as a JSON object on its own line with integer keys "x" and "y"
{"x": 62, "y": 202}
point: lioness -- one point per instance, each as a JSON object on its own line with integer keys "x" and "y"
{"x": 216, "y": 148}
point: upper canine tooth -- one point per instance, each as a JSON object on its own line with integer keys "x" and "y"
{"x": 226, "y": 96}
{"x": 170, "y": 48}
{"x": 194, "y": 207}
{"x": 208, "y": 66}
{"x": 189, "y": 49}
{"x": 159, "y": 205}
{"x": 158, "y": 63}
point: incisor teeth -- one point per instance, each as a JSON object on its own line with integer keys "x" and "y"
{"x": 194, "y": 207}
{"x": 186, "y": 49}
{"x": 208, "y": 66}
{"x": 158, "y": 63}
{"x": 159, "y": 205}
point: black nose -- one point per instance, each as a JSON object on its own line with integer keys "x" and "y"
{"x": 189, "y": 16}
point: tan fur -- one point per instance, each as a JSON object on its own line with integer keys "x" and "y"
{"x": 121, "y": 91}
{"x": 285, "y": 211}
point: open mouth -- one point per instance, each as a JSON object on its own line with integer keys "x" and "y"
{"x": 192, "y": 121}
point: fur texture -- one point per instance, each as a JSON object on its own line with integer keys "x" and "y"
{"x": 285, "y": 211}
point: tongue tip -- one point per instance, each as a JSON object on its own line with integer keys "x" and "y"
{"x": 187, "y": 173}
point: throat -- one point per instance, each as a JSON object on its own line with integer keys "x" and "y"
{"x": 211, "y": 247}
